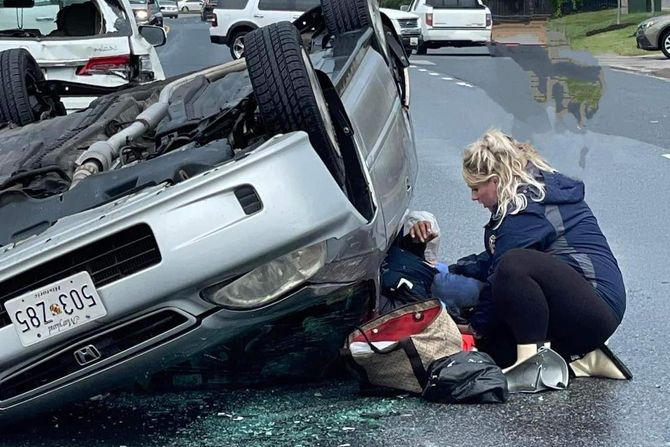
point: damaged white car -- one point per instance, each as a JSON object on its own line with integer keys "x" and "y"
{"x": 224, "y": 210}
{"x": 75, "y": 50}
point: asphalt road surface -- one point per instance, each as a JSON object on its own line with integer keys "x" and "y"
{"x": 608, "y": 128}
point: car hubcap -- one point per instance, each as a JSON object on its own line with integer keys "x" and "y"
{"x": 321, "y": 102}
{"x": 238, "y": 47}
{"x": 666, "y": 44}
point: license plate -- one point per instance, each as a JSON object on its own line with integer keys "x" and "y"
{"x": 59, "y": 307}
{"x": 414, "y": 41}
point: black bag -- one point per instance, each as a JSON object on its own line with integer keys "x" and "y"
{"x": 405, "y": 277}
{"x": 466, "y": 377}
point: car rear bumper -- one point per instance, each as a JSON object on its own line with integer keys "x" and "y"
{"x": 444, "y": 36}
{"x": 222, "y": 40}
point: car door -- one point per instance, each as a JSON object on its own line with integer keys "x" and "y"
{"x": 383, "y": 131}
{"x": 272, "y": 11}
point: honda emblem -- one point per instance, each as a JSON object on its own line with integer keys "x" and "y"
{"x": 87, "y": 354}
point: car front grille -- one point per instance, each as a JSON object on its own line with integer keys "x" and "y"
{"x": 106, "y": 260}
{"x": 408, "y": 23}
{"x": 106, "y": 345}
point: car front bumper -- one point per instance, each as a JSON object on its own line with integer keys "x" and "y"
{"x": 332, "y": 311}
{"x": 643, "y": 42}
{"x": 411, "y": 38}
{"x": 222, "y": 243}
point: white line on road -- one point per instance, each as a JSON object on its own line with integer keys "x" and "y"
{"x": 422, "y": 69}
{"x": 432, "y": 73}
{"x": 447, "y": 78}
{"x": 666, "y": 156}
{"x": 464, "y": 84}
{"x": 422, "y": 62}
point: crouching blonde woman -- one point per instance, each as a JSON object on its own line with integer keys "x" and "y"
{"x": 550, "y": 271}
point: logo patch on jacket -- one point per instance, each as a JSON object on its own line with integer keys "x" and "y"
{"x": 492, "y": 243}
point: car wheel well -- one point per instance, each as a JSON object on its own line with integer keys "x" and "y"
{"x": 235, "y": 29}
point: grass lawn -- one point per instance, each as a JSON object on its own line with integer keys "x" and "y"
{"x": 619, "y": 41}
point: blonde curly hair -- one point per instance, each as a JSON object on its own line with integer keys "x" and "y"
{"x": 496, "y": 154}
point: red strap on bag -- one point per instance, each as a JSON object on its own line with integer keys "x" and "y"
{"x": 468, "y": 342}
{"x": 400, "y": 327}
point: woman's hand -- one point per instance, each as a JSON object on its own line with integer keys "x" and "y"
{"x": 422, "y": 232}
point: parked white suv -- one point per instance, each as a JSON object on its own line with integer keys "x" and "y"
{"x": 233, "y": 19}
{"x": 452, "y": 22}
{"x": 85, "y": 48}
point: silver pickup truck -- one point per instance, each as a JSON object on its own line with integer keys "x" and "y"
{"x": 171, "y": 219}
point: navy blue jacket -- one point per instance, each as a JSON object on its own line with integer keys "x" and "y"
{"x": 562, "y": 225}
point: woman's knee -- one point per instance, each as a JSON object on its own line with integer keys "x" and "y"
{"x": 514, "y": 264}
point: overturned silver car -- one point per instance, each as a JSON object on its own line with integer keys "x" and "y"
{"x": 212, "y": 210}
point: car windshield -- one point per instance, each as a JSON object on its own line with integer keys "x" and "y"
{"x": 46, "y": 19}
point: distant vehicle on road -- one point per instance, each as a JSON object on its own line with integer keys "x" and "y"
{"x": 455, "y": 23}
{"x": 187, "y": 6}
{"x": 407, "y": 26}
{"x": 76, "y": 52}
{"x": 233, "y": 19}
{"x": 147, "y": 12}
{"x": 654, "y": 34}
{"x": 169, "y": 9}
{"x": 207, "y": 12}
{"x": 246, "y": 207}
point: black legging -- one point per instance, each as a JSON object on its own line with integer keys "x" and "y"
{"x": 539, "y": 298}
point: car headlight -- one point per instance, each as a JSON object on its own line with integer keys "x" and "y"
{"x": 141, "y": 14}
{"x": 268, "y": 282}
{"x": 648, "y": 24}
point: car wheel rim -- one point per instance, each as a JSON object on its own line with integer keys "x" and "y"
{"x": 667, "y": 43}
{"x": 321, "y": 102}
{"x": 238, "y": 47}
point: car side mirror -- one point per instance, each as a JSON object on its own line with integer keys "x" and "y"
{"x": 404, "y": 8}
{"x": 155, "y": 35}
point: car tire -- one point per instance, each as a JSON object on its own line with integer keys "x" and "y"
{"x": 422, "y": 50}
{"x": 288, "y": 93}
{"x": 21, "y": 101}
{"x": 343, "y": 16}
{"x": 665, "y": 43}
{"x": 237, "y": 44}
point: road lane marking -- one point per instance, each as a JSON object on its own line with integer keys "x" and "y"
{"x": 464, "y": 84}
{"x": 666, "y": 156}
{"x": 432, "y": 73}
{"x": 422, "y": 62}
{"x": 422, "y": 69}
{"x": 447, "y": 78}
